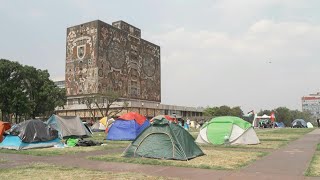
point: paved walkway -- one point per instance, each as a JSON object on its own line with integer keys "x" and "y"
{"x": 289, "y": 163}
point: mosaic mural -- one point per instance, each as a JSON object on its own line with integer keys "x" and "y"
{"x": 101, "y": 57}
{"x": 81, "y": 68}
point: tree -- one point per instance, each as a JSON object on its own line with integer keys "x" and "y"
{"x": 104, "y": 103}
{"x": 283, "y": 114}
{"x": 43, "y": 94}
{"x": 10, "y": 80}
{"x": 27, "y": 91}
{"x": 223, "y": 111}
{"x": 236, "y": 111}
{"x": 262, "y": 112}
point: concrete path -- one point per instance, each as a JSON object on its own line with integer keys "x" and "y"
{"x": 289, "y": 162}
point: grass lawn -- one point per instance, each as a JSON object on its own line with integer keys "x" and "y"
{"x": 3, "y": 160}
{"x": 73, "y": 150}
{"x": 45, "y": 171}
{"x": 314, "y": 167}
{"x": 221, "y": 156}
{"x": 213, "y": 159}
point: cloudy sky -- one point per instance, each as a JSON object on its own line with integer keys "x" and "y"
{"x": 257, "y": 54}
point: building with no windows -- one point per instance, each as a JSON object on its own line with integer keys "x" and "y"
{"x": 101, "y": 57}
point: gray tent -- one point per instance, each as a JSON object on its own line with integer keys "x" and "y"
{"x": 299, "y": 123}
{"x": 69, "y": 126}
{"x": 31, "y": 131}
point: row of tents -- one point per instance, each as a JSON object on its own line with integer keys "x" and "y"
{"x": 38, "y": 134}
{"x": 161, "y": 137}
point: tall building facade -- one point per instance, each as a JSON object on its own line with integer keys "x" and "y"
{"x": 311, "y": 103}
{"x": 102, "y": 57}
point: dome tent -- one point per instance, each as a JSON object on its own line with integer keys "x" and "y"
{"x": 309, "y": 125}
{"x": 30, "y": 134}
{"x": 227, "y": 129}
{"x": 299, "y": 123}
{"x": 127, "y": 127}
{"x": 69, "y": 126}
{"x": 164, "y": 140}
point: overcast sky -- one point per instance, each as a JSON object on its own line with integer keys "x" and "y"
{"x": 257, "y": 54}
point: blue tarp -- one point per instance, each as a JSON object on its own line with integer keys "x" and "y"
{"x": 14, "y": 142}
{"x": 126, "y": 130}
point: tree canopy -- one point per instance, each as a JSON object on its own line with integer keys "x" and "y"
{"x": 27, "y": 91}
{"x": 223, "y": 111}
{"x": 282, "y": 114}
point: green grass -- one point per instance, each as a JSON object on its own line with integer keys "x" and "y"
{"x": 2, "y": 160}
{"x": 213, "y": 159}
{"x": 314, "y": 167}
{"x": 40, "y": 171}
{"x": 221, "y": 156}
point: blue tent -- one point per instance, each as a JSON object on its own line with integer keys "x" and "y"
{"x": 279, "y": 124}
{"x": 127, "y": 127}
{"x": 14, "y": 142}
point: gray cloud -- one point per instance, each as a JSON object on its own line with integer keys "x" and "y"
{"x": 213, "y": 52}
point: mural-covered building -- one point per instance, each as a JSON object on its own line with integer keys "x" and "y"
{"x": 102, "y": 57}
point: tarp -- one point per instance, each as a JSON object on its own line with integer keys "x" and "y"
{"x": 164, "y": 140}
{"x": 299, "y": 123}
{"x": 14, "y": 142}
{"x": 31, "y": 131}
{"x": 227, "y": 130}
{"x": 3, "y": 127}
{"x": 69, "y": 126}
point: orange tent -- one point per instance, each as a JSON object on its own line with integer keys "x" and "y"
{"x": 3, "y": 127}
{"x": 134, "y": 116}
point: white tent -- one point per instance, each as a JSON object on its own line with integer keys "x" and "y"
{"x": 97, "y": 126}
{"x": 309, "y": 125}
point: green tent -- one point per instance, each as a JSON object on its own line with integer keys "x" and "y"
{"x": 164, "y": 140}
{"x": 227, "y": 130}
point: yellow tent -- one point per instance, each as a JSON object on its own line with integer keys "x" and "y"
{"x": 104, "y": 121}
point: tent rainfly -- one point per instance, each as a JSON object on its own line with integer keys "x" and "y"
{"x": 30, "y": 134}
{"x": 69, "y": 126}
{"x": 127, "y": 127}
{"x": 227, "y": 130}
{"x": 164, "y": 140}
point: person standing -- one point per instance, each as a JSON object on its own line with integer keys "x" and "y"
{"x": 318, "y": 121}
